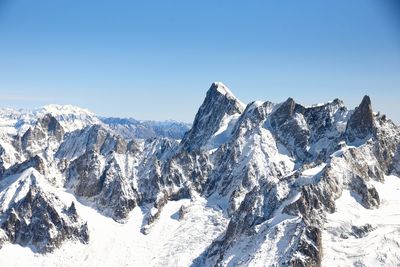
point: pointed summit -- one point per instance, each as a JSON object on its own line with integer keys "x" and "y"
{"x": 219, "y": 102}
{"x": 51, "y": 125}
{"x": 361, "y": 123}
{"x": 285, "y": 111}
{"x": 220, "y": 88}
{"x": 366, "y": 103}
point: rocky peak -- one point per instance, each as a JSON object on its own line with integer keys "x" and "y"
{"x": 285, "y": 111}
{"x": 290, "y": 127}
{"x": 37, "y": 222}
{"x": 361, "y": 123}
{"x": 222, "y": 89}
{"x": 52, "y": 126}
{"x": 219, "y": 102}
{"x": 317, "y": 113}
{"x": 44, "y": 135}
{"x": 337, "y": 101}
{"x": 92, "y": 138}
{"x": 253, "y": 116}
{"x": 272, "y": 171}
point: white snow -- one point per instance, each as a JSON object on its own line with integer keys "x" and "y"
{"x": 57, "y": 110}
{"x": 224, "y": 132}
{"x": 223, "y": 89}
{"x": 70, "y": 117}
{"x": 171, "y": 242}
{"x": 381, "y": 247}
{"x": 310, "y": 175}
{"x": 15, "y": 187}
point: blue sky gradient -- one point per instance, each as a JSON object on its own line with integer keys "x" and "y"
{"x": 156, "y": 59}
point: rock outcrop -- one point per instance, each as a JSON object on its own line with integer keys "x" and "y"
{"x": 275, "y": 171}
{"x": 362, "y": 122}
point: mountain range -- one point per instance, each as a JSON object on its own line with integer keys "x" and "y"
{"x": 258, "y": 184}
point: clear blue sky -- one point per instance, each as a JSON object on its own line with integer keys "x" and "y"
{"x": 156, "y": 59}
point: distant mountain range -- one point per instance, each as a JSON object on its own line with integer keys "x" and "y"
{"x": 72, "y": 118}
{"x": 258, "y": 184}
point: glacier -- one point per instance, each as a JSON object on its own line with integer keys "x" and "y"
{"x": 262, "y": 184}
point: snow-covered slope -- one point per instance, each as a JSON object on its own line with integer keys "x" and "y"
{"x": 355, "y": 236}
{"x": 173, "y": 241}
{"x": 70, "y": 117}
{"x": 263, "y": 184}
{"x": 33, "y": 216}
{"x": 131, "y": 128}
{"x": 74, "y": 118}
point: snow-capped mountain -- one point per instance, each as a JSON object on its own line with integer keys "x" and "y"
{"x": 131, "y": 128}
{"x": 262, "y": 184}
{"x": 70, "y": 117}
{"x": 73, "y": 118}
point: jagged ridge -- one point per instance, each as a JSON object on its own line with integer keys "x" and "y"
{"x": 274, "y": 171}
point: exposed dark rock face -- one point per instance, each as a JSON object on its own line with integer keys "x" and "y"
{"x": 104, "y": 183}
{"x": 51, "y": 125}
{"x": 39, "y": 139}
{"x": 117, "y": 194}
{"x": 386, "y": 147}
{"x": 183, "y": 211}
{"x": 302, "y": 131}
{"x": 290, "y": 127}
{"x": 276, "y": 174}
{"x": 361, "y": 231}
{"x": 218, "y": 103}
{"x": 170, "y": 173}
{"x": 326, "y": 124}
{"x": 87, "y": 182}
{"x": 395, "y": 167}
{"x": 92, "y": 138}
{"x": 35, "y": 222}
{"x": 31, "y": 136}
{"x": 369, "y": 195}
{"x": 35, "y": 162}
{"x": 361, "y": 123}
{"x": 285, "y": 112}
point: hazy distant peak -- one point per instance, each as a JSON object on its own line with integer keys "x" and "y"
{"x": 56, "y": 109}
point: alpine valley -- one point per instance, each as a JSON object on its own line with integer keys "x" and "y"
{"x": 261, "y": 184}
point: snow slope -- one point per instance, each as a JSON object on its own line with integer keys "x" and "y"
{"x": 171, "y": 242}
{"x": 74, "y": 118}
{"x": 343, "y": 246}
{"x": 262, "y": 185}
